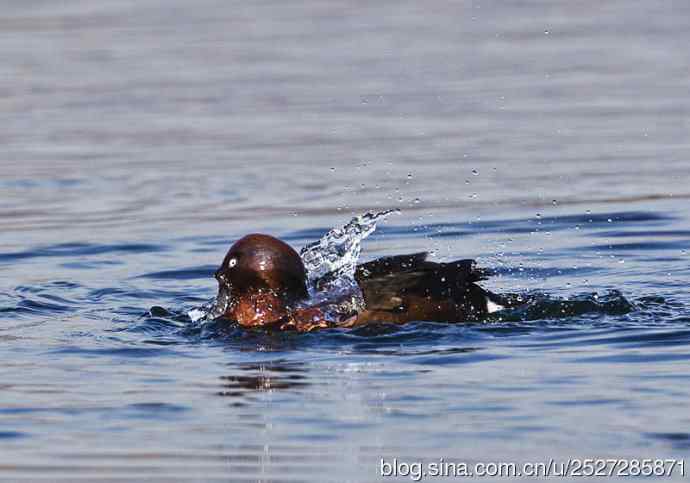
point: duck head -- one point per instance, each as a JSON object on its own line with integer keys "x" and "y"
{"x": 260, "y": 279}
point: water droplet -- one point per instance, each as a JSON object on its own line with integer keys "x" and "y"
{"x": 610, "y": 220}
{"x": 589, "y": 212}
{"x": 467, "y": 181}
{"x": 416, "y": 201}
{"x": 409, "y": 175}
{"x": 554, "y": 202}
{"x": 475, "y": 172}
{"x": 539, "y": 215}
{"x": 333, "y": 170}
{"x": 546, "y": 32}
{"x": 337, "y": 251}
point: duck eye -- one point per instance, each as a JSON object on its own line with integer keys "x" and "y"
{"x": 232, "y": 262}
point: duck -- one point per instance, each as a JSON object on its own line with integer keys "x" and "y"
{"x": 263, "y": 284}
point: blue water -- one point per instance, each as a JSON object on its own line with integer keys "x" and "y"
{"x": 549, "y": 141}
{"x": 106, "y": 373}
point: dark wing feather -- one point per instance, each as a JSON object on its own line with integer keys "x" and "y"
{"x": 387, "y": 281}
{"x": 387, "y": 265}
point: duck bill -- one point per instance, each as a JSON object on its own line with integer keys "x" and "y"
{"x": 221, "y": 304}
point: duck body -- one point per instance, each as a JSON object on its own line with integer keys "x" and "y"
{"x": 406, "y": 288}
{"x": 263, "y": 283}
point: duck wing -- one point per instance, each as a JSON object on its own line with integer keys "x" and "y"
{"x": 388, "y": 282}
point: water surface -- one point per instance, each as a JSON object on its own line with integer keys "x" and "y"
{"x": 547, "y": 140}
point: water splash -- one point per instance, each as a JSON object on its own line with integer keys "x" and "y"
{"x": 199, "y": 313}
{"x": 335, "y": 255}
{"x": 213, "y": 309}
{"x": 331, "y": 263}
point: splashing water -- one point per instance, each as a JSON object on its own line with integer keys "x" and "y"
{"x": 330, "y": 263}
{"x": 213, "y": 309}
{"x": 334, "y": 257}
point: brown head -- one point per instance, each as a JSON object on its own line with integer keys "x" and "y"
{"x": 260, "y": 278}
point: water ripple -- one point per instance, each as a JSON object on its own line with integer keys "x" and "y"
{"x": 81, "y": 250}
